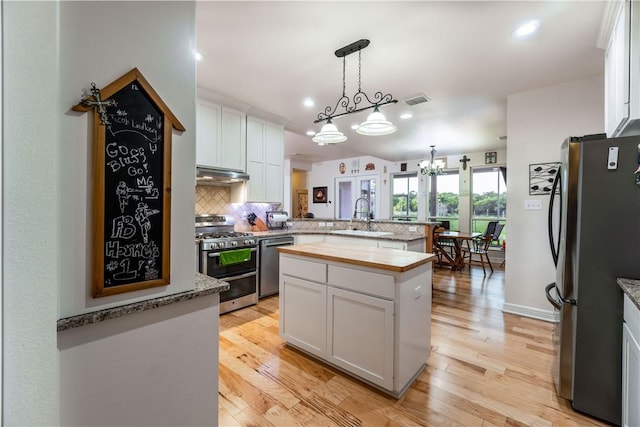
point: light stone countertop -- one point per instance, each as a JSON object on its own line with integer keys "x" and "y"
{"x": 380, "y": 258}
{"x": 203, "y": 285}
{"x": 632, "y": 289}
{"x": 286, "y": 232}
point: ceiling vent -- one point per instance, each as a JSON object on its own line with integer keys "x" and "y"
{"x": 418, "y": 99}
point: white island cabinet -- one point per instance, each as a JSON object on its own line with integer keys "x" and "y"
{"x": 363, "y": 310}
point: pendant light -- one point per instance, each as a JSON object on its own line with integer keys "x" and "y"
{"x": 329, "y": 135}
{"x": 376, "y": 123}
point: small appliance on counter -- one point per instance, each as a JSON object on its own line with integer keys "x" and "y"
{"x": 277, "y": 220}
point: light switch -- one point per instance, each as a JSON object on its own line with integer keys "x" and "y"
{"x": 532, "y": 205}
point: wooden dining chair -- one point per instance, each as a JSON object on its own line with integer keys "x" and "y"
{"x": 478, "y": 247}
{"x": 437, "y": 250}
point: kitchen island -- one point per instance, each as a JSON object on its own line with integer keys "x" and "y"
{"x": 364, "y": 310}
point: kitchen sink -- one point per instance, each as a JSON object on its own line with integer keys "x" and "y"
{"x": 363, "y": 233}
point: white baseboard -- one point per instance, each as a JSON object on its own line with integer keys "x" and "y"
{"x": 523, "y": 310}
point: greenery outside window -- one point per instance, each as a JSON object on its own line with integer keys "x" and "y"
{"x": 405, "y": 197}
{"x": 444, "y": 196}
{"x": 489, "y": 198}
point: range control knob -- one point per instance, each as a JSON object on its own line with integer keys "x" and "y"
{"x": 234, "y": 243}
{"x": 248, "y": 242}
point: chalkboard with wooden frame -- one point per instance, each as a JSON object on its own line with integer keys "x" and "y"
{"x": 131, "y": 187}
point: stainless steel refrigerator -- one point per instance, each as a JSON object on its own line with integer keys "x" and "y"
{"x": 595, "y": 242}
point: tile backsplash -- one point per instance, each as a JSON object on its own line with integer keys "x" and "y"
{"x": 212, "y": 200}
{"x": 217, "y": 200}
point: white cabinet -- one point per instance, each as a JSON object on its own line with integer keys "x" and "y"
{"x": 351, "y": 241}
{"x": 392, "y": 244}
{"x": 305, "y": 317}
{"x": 308, "y": 238}
{"x": 630, "y": 365}
{"x": 265, "y": 158}
{"x": 220, "y": 136}
{"x": 622, "y": 69}
{"x": 360, "y": 335}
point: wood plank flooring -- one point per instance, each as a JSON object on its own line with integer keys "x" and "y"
{"x": 486, "y": 368}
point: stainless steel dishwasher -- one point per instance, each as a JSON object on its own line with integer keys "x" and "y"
{"x": 269, "y": 264}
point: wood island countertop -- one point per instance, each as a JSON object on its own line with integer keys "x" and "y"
{"x": 382, "y": 258}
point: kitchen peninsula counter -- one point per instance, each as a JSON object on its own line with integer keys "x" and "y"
{"x": 363, "y": 310}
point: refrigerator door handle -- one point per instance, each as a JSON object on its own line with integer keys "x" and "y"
{"x": 554, "y": 302}
{"x": 557, "y": 185}
{"x": 558, "y": 301}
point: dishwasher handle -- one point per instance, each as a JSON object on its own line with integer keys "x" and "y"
{"x": 272, "y": 243}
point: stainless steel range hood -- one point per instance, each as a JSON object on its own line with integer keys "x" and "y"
{"x": 214, "y": 176}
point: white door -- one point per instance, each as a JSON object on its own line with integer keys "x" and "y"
{"x": 304, "y": 314}
{"x": 351, "y": 188}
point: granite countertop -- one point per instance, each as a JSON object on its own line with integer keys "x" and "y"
{"x": 632, "y": 289}
{"x": 203, "y": 285}
{"x": 385, "y": 259}
{"x": 285, "y": 232}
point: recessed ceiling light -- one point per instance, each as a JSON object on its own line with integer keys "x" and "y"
{"x": 198, "y": 55}
{"x": 308, "y": 102}
{"x": 406, "y": 116}
{"x": 528, "y": 28}
{"x": 355, "y": 126}
{"x": 311, "y": 133}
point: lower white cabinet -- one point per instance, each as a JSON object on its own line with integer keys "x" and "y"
{"x": 305, "y": 318}
{"x": 630, "y": 365}
{"x": 360, "y": 335}
{"x": 308, "y": 238}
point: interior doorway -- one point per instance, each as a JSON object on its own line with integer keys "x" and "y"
{"x": 301, "y": 203}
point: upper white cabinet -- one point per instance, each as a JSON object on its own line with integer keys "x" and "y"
{"x": 265, "y": 158}
{"x": 622, "y": 69}
{"x": 220, "y": 136}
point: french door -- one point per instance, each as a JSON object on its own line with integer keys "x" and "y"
{"x": 349, "y": 189}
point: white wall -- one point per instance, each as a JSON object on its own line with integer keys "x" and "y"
{"x": 537, "y": 123}
{"x": 147, "y": 369}
{"x": 52, "y": 50}
{"x": 158, "y": 38}
{"x": 31, "y": 144}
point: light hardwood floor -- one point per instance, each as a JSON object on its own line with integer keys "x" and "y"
{"x": 486, "y": 368}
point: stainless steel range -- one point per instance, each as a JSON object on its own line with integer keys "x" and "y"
{"x": 230, "y": 256}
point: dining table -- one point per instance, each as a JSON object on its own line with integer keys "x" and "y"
{"x": 452, "y": 239}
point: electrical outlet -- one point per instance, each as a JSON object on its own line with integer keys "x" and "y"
{"x": 533, "y": 205}
{"x": 329, "y": 224}
{"x": 413, "y": 228}
{"x": 322, "y": 224}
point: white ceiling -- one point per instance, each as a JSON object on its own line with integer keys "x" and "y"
{"x": 270, "y": 55}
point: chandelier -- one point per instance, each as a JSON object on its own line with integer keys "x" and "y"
{"x": 433, "y": 167}
{"x": 376, "y": 123}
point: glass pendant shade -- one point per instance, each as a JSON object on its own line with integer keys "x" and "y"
{"x": 329, "y": 134}
{"x": 376, "y": 124}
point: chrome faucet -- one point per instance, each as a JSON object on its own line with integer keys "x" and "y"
{"x": 368, "y": 211}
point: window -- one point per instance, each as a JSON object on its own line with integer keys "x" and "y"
{"x": 443, "y": 197}
{"x": 405, "y": 197}
{"x": 489, "y": 197}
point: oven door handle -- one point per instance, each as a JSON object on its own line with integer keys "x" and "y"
{"x": 217, "y": 254}
{"x": 241, "y": 276}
